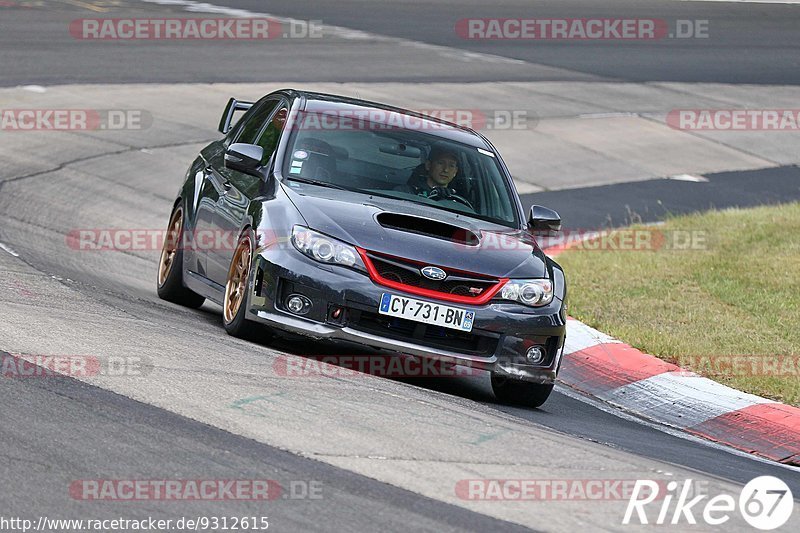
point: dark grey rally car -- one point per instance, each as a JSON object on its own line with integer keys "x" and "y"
{"x": 343, "y": 219}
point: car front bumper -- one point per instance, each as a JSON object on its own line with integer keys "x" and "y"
{"x": 501, "y": 333}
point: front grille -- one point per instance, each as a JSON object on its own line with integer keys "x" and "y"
{"x": 422, "y": 334}
{"x": 408, "y": 273}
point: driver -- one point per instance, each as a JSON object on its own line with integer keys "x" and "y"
{"x": 439, "y": 170}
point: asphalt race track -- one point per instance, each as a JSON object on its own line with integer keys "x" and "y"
{"x": 351, "y": 452}
{"x": 748, "y": 43}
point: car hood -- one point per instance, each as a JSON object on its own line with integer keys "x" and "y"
{"x": 354, "y": 218}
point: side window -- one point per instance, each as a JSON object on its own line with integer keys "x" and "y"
{"x": 254, "y": 122}
{"x": 268, "y": 140}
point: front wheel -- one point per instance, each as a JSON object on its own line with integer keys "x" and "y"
{"x": 517, "y": 392}
{"x": 234, "y": 307}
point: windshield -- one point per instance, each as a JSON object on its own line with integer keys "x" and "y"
{"x": 400, "y": 162}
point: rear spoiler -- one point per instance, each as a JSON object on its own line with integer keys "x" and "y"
{"x": 233, "y": 106}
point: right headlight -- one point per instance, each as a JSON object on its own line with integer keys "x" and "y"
{"x": 531, "y": 292}
{"x": 325, "y": 249}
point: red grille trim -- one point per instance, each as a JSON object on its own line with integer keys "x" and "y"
{"x": 483, "y": 299}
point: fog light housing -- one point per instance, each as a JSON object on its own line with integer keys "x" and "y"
{"x": 298, "y": 304}
{"x": 535, "y": 355}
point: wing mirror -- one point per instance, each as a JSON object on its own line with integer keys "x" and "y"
{"x": 244, "y": 158}
{"x": 543, "y": 219}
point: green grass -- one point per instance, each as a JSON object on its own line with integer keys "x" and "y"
{"x": 735, "y": 297}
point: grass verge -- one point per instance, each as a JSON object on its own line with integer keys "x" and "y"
{"x": 717, "y": 293}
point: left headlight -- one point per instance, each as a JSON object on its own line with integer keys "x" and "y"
{"x": 325, "y": 249}
{"x": 531, "y": 292}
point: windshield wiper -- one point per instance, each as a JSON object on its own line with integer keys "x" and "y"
{"x": 317, "y": 182}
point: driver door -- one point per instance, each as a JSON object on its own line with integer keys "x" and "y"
{"x": 238, "y": 188}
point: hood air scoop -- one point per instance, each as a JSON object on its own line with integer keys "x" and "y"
{"x": 426, "y": 226}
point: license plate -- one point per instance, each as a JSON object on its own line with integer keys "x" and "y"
{"x": 427, "y": 313}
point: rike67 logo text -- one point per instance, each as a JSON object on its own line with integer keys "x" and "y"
{"x": 765, "y": 503}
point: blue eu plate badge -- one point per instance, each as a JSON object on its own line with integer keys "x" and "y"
{"x": 385, "y": 300}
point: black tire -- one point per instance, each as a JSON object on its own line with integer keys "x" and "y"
{"x": 236, "y": 323}
{"x": 516, "y": 392}
{"x": 169, "y": 279}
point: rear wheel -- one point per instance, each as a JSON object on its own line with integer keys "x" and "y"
{"x": 170, "y": 265}
{"x": 234, "y": 307}
{"x": 518, "y": 392}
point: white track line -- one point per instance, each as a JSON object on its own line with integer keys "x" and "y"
{"x": 8, "y": 249}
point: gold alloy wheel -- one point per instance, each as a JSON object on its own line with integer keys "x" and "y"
{"x": 236, "y": 287}
{"x": 170, "y": 248}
